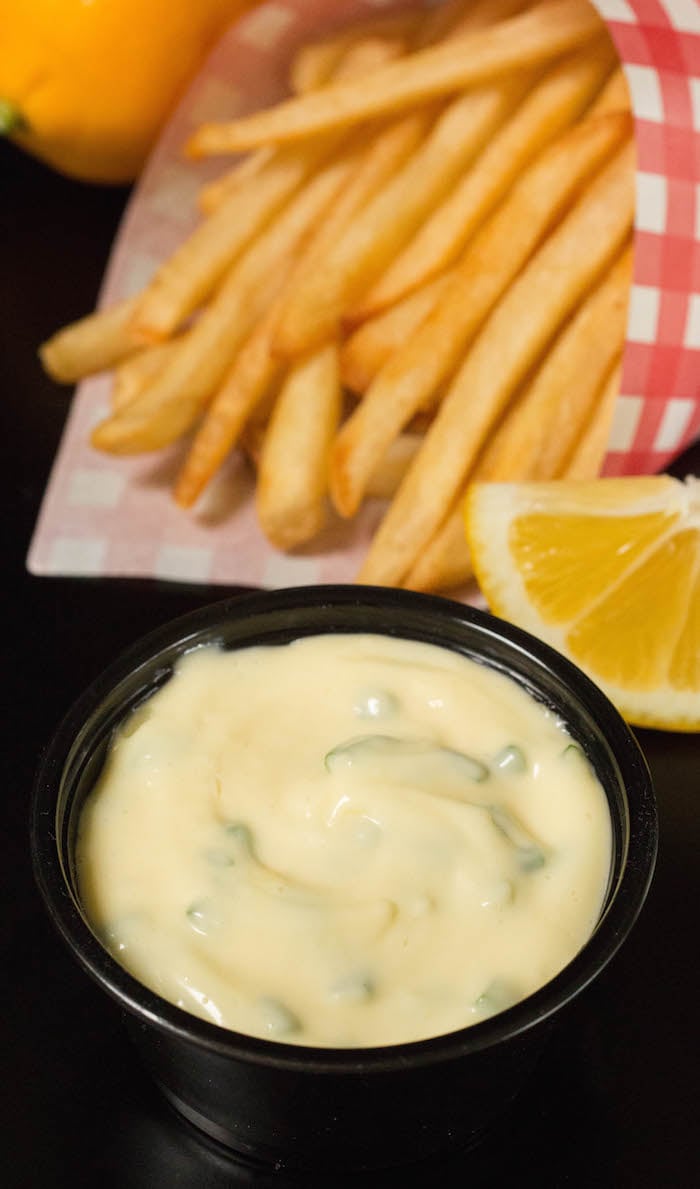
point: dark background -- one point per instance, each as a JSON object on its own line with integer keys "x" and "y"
{"x": 614, "y": 1101}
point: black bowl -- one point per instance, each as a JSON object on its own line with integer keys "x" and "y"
{"x": 303, "y": 1107}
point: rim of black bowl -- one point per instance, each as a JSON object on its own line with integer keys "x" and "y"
{"x": 634, "y": 855}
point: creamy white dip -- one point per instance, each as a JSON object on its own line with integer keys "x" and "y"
{"x": 347, "y": 840}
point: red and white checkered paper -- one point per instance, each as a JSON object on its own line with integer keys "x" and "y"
{"x": 110, "y": 516}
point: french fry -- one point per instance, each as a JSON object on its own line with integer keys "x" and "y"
{"x": 361, "y": 47}
{"x": 366, "y": 54}
{"x": 105, "y": 338}
{"x": 368, "y": 348}
{"x": 292, "y": 473}
{"x": 192, "y": 273}
{"x": 369, "y": 55}
{"x": 558, "y": 427}
{"x": 257, "y": 367}
{"x": 510, "y": 343}
{"x": 133, "y": 376}
{"x": 252, "y": 437}
{"x": 317, "y": 62}
{"x": 172, "y": 404}
{"x": 526, "y": 40}
{"x": 253, "y": 433}
{"x": 240, "y": 203}
{"x": 348, "y": 54}
{"x": 587, "y": 459}
{"x": 388, "y": 151}
{"x": 314, "y": 310}
{"x": 456, "y": 17}
{"x": 252, "y": 375}
{"x": 445, "y": 563}
{"x": 550, "y": 107}
{"x": 385, "y": 481}
{"x": 615, "y": 95}
{"x": 498, "y": 252}
{"x": 392, "y": 144}
{"x": 377, "y": 165}
{"x": 458, "y": 262}
{"x": 213, "y": 193}
{"x": 352, "y": 51}
{"x": 313, "y": 64}
{"x": 92, "y": 344}
{"x": 546, "y": 423}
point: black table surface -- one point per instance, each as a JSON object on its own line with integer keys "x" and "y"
{"x": 614, "y": 1101}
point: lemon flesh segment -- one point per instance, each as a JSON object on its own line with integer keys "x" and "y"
{"x": 565, "y": 561}
{"x": 630, "y": 635}
{"x": 608, "y": 572}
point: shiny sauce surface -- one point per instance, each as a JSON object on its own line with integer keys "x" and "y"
{"x": 348, "y": 840}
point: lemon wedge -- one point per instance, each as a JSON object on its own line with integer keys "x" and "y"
{"x": 608, "y": 572}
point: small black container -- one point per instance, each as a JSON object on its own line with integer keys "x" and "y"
{"x": 301, "y": 1107}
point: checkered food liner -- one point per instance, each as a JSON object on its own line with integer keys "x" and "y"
{"x": 116, "y": 517}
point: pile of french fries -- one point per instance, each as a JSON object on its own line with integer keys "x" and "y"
{"x": 417, "y": 275}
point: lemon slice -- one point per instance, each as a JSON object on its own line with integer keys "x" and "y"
{"x": 608, "y": 572}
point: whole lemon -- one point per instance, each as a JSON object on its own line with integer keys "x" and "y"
{"x": 87, "y": 84}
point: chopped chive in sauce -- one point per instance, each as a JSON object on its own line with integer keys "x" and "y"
{"x": 216, "y": 857}
{"x": 380, "y": 703}
{"x": 498, "y": 995}
{"x": 530, "y": 856}
{"x": 278, "y": 1019}
{"x": 262, "y": 878}
{"x": 353, "y": 988}
{"x": 235, "y": 847}
{"x": 470, "y": 767}
{"x": 242, "y": 838}
{"x": 203, "y": 917}
{"x": 511, "y": 759}
{"x": 367, "y": 748}
{"x": 574, "y": 753}
{"x": 196, "y": 915}
{"x": 501, "y": 894}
